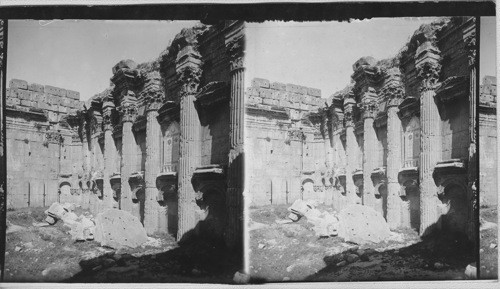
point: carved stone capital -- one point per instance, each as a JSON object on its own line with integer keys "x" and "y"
{"x": 153, "y": 101}
{"x": 235, "y": 48}
{"x": 128, "y": 112}
{"x": 369, "y": 105}
{"x": 189, "y": 78}
{"x": 470, "y": 47}
{"x": 427, "y": 64}
{"x": 349, "y": 104}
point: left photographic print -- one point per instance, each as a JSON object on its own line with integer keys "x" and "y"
{"x": 124, "y": 145}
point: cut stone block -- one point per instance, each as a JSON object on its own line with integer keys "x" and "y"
{"x": 117, "y": 228}
{"x": 362, "y": 224}
{"x": 56, "y": 210}
{"x": 18, "y": 83}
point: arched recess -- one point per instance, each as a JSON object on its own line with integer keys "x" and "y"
{"x": 65, "y": 192}
{"x": 307, "y": 189}
{"x": 210, "y": 198}
{"x": 454, "y": 206}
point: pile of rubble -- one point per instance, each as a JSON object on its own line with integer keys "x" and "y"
{"x": 112, "y": 228}
{"x": 356, "y": 223}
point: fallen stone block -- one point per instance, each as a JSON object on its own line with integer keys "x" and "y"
{"x": 471, "y": 271}
{"x": 241, "y": 278}
{"x": 300, "y": 207}
{"x": 50, "y": 220}
{"x": 56, "y": 211}
{"x": 69, "y": 218}
{"x": 118, "y": 228}
{"x": 362, "y": 224}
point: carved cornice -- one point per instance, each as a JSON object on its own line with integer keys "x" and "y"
{"x": 409, "y": 107}
{"x": 453, "y": 89}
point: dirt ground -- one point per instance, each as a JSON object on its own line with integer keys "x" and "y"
{"x": 488, "y": 252}
{"x": 291, "y": 252}
{"x": 48, "y": 254}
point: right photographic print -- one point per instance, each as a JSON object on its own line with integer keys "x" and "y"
{"x": 371, "y": 149}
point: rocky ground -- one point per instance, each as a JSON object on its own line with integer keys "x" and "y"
{"x": 292, "y": 252}
{"x": 488, "y": 251}
{"x": 48, "y": 254}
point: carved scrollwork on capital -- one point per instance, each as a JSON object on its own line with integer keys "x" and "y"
{"x": 428, "y": 73}
{"x": 394, "y": 92}
{"x": 128, "y": 112}
{"x": 235, "y": 48}
{"x": 189, "y": 78}
{"x": 107, "y": 123}
{"x": 95, "y": 123}
{"x": 470, "y": 46}
{"x": 153, "y": 101}
{"x": 369, "y": 107}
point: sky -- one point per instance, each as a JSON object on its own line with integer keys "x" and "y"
{"x": 79, "y": 54}
{"x": 321, "y": 54}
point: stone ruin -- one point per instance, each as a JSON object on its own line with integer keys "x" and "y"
{"x": 400, "y": 138}
{"x": 164, "y": 142}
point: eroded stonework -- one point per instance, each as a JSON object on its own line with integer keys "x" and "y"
{"x": 400, "y": 138}
{"x": 163, "y": 142}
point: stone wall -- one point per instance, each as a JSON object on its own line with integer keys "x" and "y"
{"x": 488, "y": 143}
{"x": 43, "y": 150}
{"x": 285, "y": 148}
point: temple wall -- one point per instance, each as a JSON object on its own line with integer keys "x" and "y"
{"x": 215, "y": 137}
{"x": 37, "y": 159}
{"x": 283, "y": 146}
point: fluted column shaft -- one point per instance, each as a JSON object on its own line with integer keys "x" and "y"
{"x": 351, "y": 144}
{"x": 393, "y": 166}
{"x": 109, "y": 152}
{"x": 152, "y": 169}
{"x": 189, "y": 159}
{"x": 85, "y": 166}
{"x": 430, "y": 154}
{"x": 369, "y": 160}
{"x": 127, "y": 164}
{"x": 234, "y": 199}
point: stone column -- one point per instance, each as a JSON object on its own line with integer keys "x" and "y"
{"x": 234, "y": 197}
{"x": 189, "y": 74}
{"x": 152, "y": 165}
{"x": 394, "y": 92}
{"x": 109, "y": 152}
{"x": 470, "y": 45}
{"x": 351, "y": 148}
{"x": 128, "y": 112}
{"x": 369, "y": 108}
{"x": 85, "y": 160}
{"x": 96, "y": 129}
{"x": 428, "y": 69}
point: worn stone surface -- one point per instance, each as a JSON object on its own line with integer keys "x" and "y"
{"x": 117, "y": 228}
{"x": 362, "y": 224}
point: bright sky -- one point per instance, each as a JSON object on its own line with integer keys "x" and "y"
{"x": 321, "y": 54}
{"x": 79, "y": 55}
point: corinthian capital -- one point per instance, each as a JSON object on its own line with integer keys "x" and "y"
{"x": 369, "y": 104}
{"x": 349, "y": 104}
{"x": 427, "y": 60}
{"x": 393, "y": 90}
{"x": 235, "y": 48}
{"x": 108, "y": 107}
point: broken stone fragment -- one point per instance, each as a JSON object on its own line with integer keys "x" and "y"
{"x": 341, "y": 264}
{"x": 493, "y": 246}
{"x": 294, "y": 217}
{"x": 351, "y": 258}
{"x": 117, "y": 228}
{"x": 56, "y": 211}
{"x": 362, "y": 224}
{"x": 471, "y": 271}
{"x": 241, "y": 278}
